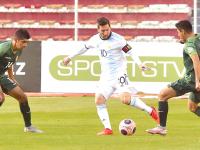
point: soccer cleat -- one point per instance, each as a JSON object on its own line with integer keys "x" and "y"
{"x": 105, "y": 131}
{"x": 32, "y": 129}
{"x": 157, "y": 130}
{"x": 154, "y": 115}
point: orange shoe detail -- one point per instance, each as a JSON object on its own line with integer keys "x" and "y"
{"x": 105, "y": 131}
{"x": 155, "y": 115}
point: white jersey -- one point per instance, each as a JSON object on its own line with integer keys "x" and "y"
{"x": 111, "y": 54}
{"x": 112, "y": 59}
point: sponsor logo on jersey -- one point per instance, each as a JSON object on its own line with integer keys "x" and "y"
{"x": 8, "y": 58}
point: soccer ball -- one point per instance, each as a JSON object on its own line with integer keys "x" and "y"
{"x": 127, "y": 127}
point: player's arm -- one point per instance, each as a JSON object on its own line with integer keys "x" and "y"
{"x": 86, "y": 46}
{"x": 10, "y": 72}
{"x": 82, "y": 50}
{"x": 196, "y": 64}
{"x": 128, "y": 49}
{"x": 11, "y": 75}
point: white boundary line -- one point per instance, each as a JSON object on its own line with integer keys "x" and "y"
{"x": 141, "y": 95}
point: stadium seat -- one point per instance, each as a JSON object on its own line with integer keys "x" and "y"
{"x": 143, "y": 39}
{"x": 3, "y": 37}
{"x": 134, "y": 8}
{"x": 55, "y": 6}
{"x": 12, "y": 5}
{"x": 5, "y": 21}
{"x": 83, "y": 37}
{"x": 46, "y": 23}
{"x": 26, "y": 21}
{"x": 62, "y": 37}
{"x": 165, "y": 39}
{"x": 40, "y": 37}
{"x": 54, "y": 19}
{"x": 128, "y": 37}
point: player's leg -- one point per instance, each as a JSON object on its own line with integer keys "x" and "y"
{"x": 193, "y": 107}
{"x": 19, "y": 95}
{"x": 176, "y": 88}
{"x": 11, "y": 88}
{"x": 128, "y": 99}
{"x": 126, "y": 96}
{"x": 164, "y": 95}
{"x": 2, "y": 97}
{"x": 102, "y": 94}
{"x": 194, "y": 99}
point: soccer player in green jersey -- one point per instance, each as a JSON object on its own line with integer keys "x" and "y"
{"x": 190, "y": 81}
{"x": 9, "y": 53}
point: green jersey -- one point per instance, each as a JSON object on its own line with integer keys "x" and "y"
{"x": 192, "y": 47}
{"x": 7, "y": 57}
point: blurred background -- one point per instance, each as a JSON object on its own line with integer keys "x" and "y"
{"x": 149, "y": 20}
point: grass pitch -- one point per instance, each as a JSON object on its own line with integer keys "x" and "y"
{"x": 71, "y": 123}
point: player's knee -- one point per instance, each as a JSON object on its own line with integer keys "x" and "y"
{"x": 22, "y": 98}
{"x": 2, "y": 98}
{"x": 125, "y": 98}
{"x": 99, "y": 99}
{"x": 162, "y": 95}
{"x": 192, "y": 108}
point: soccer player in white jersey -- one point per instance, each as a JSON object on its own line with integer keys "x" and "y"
{"x": 112, "y": 47}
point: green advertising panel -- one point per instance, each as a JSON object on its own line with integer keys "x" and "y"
{"x": 87, "y": 68}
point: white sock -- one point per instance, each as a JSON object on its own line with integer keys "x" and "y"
{"x": 138, "y": 103}
{"x": 103, "y": 115}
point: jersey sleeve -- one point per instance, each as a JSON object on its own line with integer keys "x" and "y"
{"x": 91, "y": 43}
{"x": 124, "y": 45}
{"x": 84, "y": 47}
{"x": 128, "y": 49}
{"x": 190, "y": 49}
{"x": 3, "y": 48}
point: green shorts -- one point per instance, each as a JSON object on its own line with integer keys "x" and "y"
{"x": 183, "y": 86}
{"x": 6, "y": 84}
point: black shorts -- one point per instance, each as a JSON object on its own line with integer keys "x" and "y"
{"x": 183, "y": 86}
{"x": 6, "y": 84}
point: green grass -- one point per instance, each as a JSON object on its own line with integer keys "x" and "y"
{"x": 71, "y": 123}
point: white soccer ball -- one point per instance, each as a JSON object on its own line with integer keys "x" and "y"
{"x": 127, "y": 127}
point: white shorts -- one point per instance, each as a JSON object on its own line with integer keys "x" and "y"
{"x": 121, "y": 85}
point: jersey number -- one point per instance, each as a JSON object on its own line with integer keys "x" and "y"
{"x": 123, "y": 80}
{"x": 103, "y": 53}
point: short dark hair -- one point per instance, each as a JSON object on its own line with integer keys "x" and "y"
{"x": 21, "y": 34}
{"x": 184, "y": 25}
{"x": 103, "y": 21}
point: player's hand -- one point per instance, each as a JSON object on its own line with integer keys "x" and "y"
{"x": 66, "y": 60}
{"x": 144, "y": 67}
{"x": 198, "y": 86}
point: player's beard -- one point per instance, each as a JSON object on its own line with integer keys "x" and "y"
{"x": 105, "y": 37}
